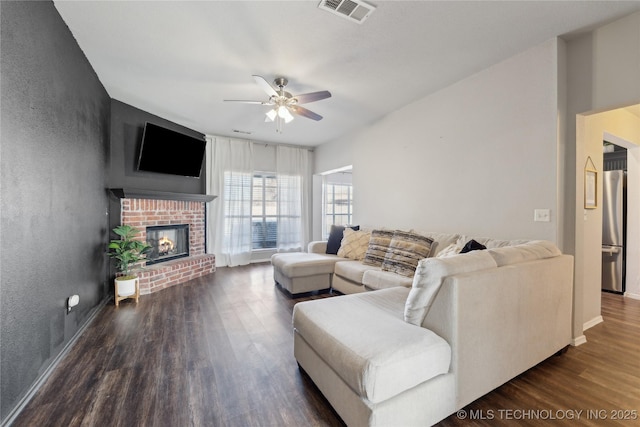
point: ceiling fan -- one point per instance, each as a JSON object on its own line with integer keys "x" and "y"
{"x": 284, "y": 104}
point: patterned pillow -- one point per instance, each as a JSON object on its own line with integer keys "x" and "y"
{"x": 405, "y": 250}
{"x": 335, "y": 237}
{"x": 354, "y": 244}
{"x": 377, "y": 249}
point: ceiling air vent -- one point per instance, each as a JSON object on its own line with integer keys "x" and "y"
{"x": 353, "y": 10}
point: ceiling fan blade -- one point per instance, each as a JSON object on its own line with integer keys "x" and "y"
{"x": 248, "y": 102}
{"x": 311, "y": 97}
{"x": 301, "y": 111}
{"x": 265, "y": 86}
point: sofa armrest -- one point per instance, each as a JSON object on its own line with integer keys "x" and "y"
{"x": 317, "y": 247}
{"x": 502, "y": 321}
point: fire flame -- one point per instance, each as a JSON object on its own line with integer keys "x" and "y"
{"x": 165, "y": 245}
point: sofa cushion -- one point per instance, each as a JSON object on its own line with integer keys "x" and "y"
{"x": 354, "y": 244}
{"x": 429, "y": 276}
{"x": 404, "y": 252}
{"x": 352, "y": 270}
{"x": 364, "y": 339}
{"x": 530, "y": 251}
{"x": 450, "y": 250}
{"x": 489, "y": 243}
{"x": 335, "y": 238}
{"x": 317, "y": 247}
{"x": 440, "y": 240}
{"x": 377, "y": 249}
{"x": 377, "y": 279}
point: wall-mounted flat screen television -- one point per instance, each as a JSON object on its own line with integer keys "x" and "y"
{"x": 166, "y": 151}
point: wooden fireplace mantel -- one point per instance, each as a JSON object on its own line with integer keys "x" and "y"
{"x": 136, "y": 193}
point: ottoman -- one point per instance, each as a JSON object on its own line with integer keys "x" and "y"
{"x": 303, "y": 272}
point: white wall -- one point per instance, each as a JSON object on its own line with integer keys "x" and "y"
{"x": 333, "y": 155}
{"x": 316, "y": 208}
{"x": 616, "y": 63}
{"x": 338, "y": 178}
{"x": 477, "y": 157}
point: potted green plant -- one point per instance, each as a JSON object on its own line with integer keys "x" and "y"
{"x": 127, "y": 252}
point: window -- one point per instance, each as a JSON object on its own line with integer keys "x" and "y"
{"x": 264, "y": 211}
{"x": 338, "y": 205}
{"x": 274, "y": 212}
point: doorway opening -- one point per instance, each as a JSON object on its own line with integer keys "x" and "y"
{"x": 619, "y": 127}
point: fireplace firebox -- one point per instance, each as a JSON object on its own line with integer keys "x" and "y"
{"x": 168, "y": 242}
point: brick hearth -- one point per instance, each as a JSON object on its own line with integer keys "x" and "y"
{"x": 141, "y": 213}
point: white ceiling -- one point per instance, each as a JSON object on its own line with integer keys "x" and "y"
{"x": 179, "y": 60}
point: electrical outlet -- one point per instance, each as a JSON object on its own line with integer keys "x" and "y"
{"x": 542, "y": 215}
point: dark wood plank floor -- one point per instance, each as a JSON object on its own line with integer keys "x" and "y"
{"x": 217, "y": 351}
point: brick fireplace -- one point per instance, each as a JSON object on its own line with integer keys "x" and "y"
{"x": 143, "y": 209}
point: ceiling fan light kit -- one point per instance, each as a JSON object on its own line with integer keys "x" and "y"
{"x": 280, "y": 115}
{"x": 271, "y": 116}
{"x": 284, "y": 104}
{"x": 284, "y": 113}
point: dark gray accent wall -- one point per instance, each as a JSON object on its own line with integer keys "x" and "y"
{"x": 127, "y": 125}
{"x": 53, "y": 156}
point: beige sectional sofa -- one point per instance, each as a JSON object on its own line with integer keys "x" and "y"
{"x": 316, "y": 270}
{"x": 466, "y": 324}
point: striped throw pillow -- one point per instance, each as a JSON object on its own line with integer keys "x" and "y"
{"x": 405, "y": 251}
{"x": 377, "y": 249}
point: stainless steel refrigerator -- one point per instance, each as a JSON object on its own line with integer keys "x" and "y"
{"x": 613, "y": 230}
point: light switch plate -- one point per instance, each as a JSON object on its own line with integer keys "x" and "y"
{"x": 542, "y": 215}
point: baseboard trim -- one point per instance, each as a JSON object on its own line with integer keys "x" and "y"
{"x": 11, "y": 417}
{"x": 632, "y": 295}
{"x": 578, "y": 340}
{"x": 593, "y": 322}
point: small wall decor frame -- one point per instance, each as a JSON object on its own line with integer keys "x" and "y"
{"x": 590, "y": 185}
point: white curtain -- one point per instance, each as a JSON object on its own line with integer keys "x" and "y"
{"x": 229, "y": 176}
{"x": 293, "y": 173}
